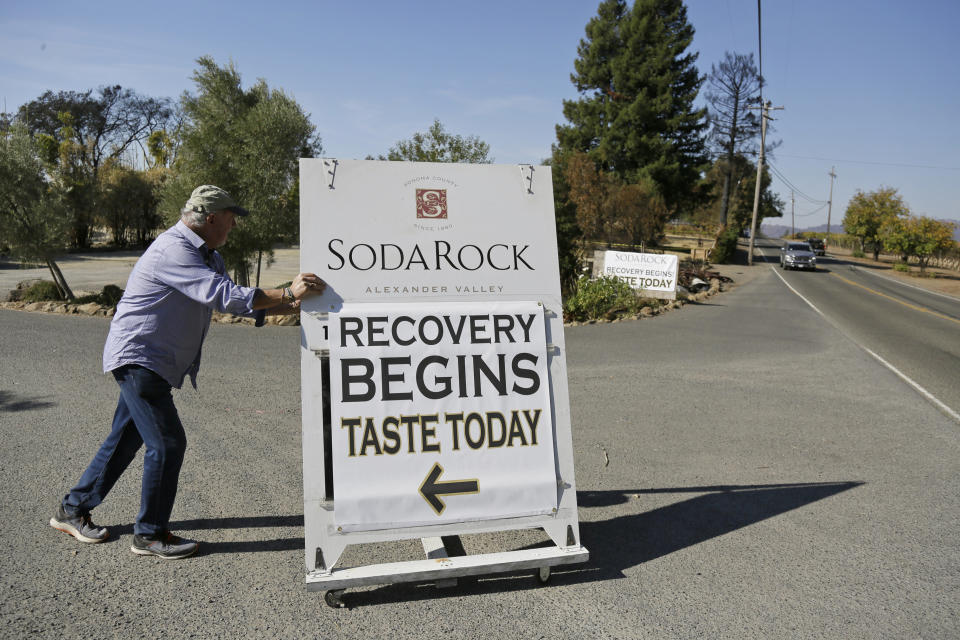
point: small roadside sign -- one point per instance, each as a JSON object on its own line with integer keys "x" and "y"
{"x": 654, "y": 275}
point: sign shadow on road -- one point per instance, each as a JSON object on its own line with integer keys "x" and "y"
{"x": 625, "y": 541}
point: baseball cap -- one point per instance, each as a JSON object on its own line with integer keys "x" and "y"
{"x": 207, "y": 199}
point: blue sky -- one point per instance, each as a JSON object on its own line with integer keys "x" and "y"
{"x": 868, "y": 86}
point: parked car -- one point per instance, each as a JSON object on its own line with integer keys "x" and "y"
{"x": 818, "y": 246}
{"x": 797, "y": 255}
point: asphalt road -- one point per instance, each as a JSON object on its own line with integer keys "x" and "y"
{"x": 916, "y": 331}
{"x": 766, "y": 478}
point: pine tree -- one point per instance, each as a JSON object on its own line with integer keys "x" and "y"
{"x": 637, "y": 82}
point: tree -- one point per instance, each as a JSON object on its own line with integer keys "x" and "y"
{"x": 128, "y": 202}
{"x": 73, "y": 180}
{"x": 569, "y": 254}
{"x": 741, "y": 210}
{"x": 89, "y": 129}
{"x": 870, "y": 216}
{"x": 608, "y": 208}
{"x": 636, "y": 211}
{"x": 918, "y": 236}
{"x": 436, "y": 145}
{"x": 105, "y": 125}
{"x": 734, "y": 86}
{"x": 740, "y": 207}
{"x": 248, "y": 142}
{"x": 146, "y": 219}
{"x": 635, "y": 116}
{"x": 32, "y": 223}
{"x": 586, "y": 192}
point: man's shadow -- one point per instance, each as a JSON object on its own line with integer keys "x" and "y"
{"x": 237, "y": 546}
{"x": 9, "y": 401}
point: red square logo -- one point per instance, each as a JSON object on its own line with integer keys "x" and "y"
{"x": 432, "y": 203}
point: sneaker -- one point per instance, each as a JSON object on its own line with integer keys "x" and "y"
{"x": 165, "y": 545}
{"x": 80, "y": 527}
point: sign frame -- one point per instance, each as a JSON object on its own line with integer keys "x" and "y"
{"x": 322, "y": 182}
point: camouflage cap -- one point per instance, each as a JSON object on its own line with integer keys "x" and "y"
{"x": 208, "y": 199}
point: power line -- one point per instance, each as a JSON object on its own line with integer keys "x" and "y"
{"x": 792, "y": 186}
{"x": 885, "y": 164}
{"x": 787, "y": 182}
{"x": 817, "y": 210}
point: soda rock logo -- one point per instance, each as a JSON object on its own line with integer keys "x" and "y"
{"x": 432, "y": 203}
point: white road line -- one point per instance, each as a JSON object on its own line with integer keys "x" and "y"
{"x": 756, "y": 250}
{"x": 907, "y": 284}
{"x": 926, "y": 394}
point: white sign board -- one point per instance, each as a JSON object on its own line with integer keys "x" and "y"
{"x": 438, "y": 275}
{"x": 440, "y": 413}
{"x": 409, "y": 231}
{"x": 653, "y": 274}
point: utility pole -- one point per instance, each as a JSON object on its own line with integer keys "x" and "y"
{"x": 793, "y": 226}
{"x": 830, "y": 205}
{"x": 765, "y": 115}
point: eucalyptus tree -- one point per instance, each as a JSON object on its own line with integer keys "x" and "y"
{"x": 80, "y": 131}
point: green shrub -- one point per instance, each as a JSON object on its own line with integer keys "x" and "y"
{"x": 904, "y": 268}
{"x": 109, "y": 297}
{"x": 726, "y": 246}
{"x": 42, "y": 291}
{"x": 606, "y": 297}
{"x": 857, "y": 253}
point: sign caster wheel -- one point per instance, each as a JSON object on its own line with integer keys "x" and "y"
{"x": 334, "y": 598}
{"x": 543, "y": 575}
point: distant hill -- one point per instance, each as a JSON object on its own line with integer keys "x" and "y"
{"x": 779, "y": 230}
{"x": 774, "y": 230}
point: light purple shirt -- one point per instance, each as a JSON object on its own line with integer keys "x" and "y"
{"x": 165, "y": 311}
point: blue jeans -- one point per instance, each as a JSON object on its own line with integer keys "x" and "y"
{"x": 145, "y": 415}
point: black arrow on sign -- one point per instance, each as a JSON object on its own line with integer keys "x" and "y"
{"x": 431, "y": 489}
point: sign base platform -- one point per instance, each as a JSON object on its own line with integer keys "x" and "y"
{"x": 442, "y": 568}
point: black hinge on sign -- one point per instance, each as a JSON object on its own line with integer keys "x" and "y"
{"x": 332, "y": 174}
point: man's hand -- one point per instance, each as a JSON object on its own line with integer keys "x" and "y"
{"x": 307, "y": 284}
{"x": 277, "y": 300}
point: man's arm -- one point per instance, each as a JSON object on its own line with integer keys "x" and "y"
{"x": 285, "y": 301}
